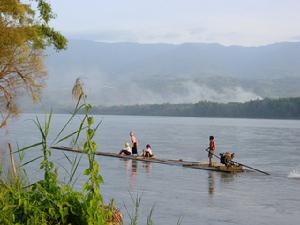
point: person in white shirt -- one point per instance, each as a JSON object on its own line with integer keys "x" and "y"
{"x": 147, "y": 152}
{"x": 126, "y": 150}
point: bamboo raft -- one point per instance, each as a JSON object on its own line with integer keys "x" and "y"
{"x": 187, "y": 164}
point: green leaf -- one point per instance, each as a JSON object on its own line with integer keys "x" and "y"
{"x": 90, "y": 120}
{"x": 93, "y": 145}
{"x": 87, "y": 172}
{"x": 85, "y": 186}
{"x": 88, "y": 107}
{"x": 90, "y": 132}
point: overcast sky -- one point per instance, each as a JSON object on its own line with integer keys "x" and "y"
{"x": 229, "y": 22}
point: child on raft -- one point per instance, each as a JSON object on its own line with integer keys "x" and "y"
{"x": 147, "y": 152}
{"x": 212, "y": 149}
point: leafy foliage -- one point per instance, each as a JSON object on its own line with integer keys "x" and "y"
{"x": 92, "y": 186}
{"x": 24, "y": 34}
{"x": 49, "y": 201}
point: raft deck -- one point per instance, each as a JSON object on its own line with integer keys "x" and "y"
{"x": 215, "y": 167}
{"x": 187, "y": 164}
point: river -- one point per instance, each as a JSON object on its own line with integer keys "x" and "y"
{"x": 196, "y": 196}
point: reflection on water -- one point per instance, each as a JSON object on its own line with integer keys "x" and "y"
{"x": 134, "y": 168}
{"x": 228, "y": 177}
{"x": 131, "y": 170}
{"x": 211, "y": 183}
{"x": 147, "y": 166}
{"x": 223, "y": 177}
{"x": 126, "y": 165}
{"x": 130, "y": 167}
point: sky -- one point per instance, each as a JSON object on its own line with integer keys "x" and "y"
{"x": 228, "y": 22}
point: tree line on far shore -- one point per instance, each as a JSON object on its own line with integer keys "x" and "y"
{"x": 282, "y": 108}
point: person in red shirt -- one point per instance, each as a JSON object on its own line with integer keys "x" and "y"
{"x": 212, "y": 149}
{"x": 134, "y": 143}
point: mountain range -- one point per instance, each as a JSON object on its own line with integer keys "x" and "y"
{"x": 134, "y": 73}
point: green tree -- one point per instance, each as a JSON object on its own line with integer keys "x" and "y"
{"x": 24, "y": 34}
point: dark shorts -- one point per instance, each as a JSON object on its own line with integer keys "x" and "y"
{"x": 134, "y": 149}
{"x": 125, "y": 152}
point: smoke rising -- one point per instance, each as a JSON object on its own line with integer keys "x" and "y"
{"x": 101, "y": 91}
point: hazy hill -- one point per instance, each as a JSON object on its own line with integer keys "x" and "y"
{"x": 130, "y": 73}
{"x": 276, "y": 60}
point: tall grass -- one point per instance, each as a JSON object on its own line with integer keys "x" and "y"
{"x": 49, "y": 201}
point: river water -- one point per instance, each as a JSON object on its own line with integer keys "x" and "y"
{"x": 196, "y": 196}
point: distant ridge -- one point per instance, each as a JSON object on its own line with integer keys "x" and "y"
{"x": 198, "y": 59}
{"x": 134, "y": 73}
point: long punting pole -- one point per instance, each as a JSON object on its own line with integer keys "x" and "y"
{"x": 241, "y": 164}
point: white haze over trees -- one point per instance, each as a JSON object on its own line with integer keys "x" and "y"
{"x": 130, "y": 93}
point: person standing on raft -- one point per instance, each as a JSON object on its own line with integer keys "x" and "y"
{"x": 134, "y": 143}
{"x": 212, "y": 149}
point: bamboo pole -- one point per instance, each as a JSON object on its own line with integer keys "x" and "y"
{"x": 13, "y": 166}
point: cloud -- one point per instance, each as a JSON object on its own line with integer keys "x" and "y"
{"x": 176, "y": 35}
{"x": 155, "y": 35}
{"x": 106, "y": 36}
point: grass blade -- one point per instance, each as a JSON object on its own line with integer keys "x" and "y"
{"x": 179, "y": 221}
{"x": 76, "y": 110}
{"x": 39, "y": 126}
{"x": 28, "y": 147}
{"x": 70, "y": 161}
{"x": 80, "y": 128}
{"x": 30, "y": 161}
{"x": 47, "y": 123}
{"x": 69, "y": 135}
{"x": 149, "y": 217}
{"x": 74, "y": 168}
